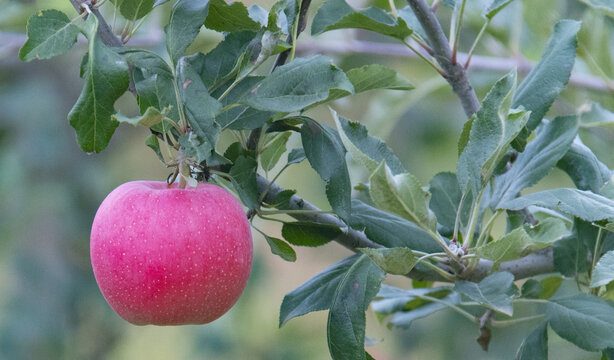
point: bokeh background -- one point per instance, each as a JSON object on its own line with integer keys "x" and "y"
{"x": 50, "y": 306}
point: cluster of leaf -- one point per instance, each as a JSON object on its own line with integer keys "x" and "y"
{"x": 496, "y": 162}
{"x": 188, "y": 100}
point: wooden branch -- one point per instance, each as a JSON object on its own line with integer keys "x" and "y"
{"x": 454, "y": 72}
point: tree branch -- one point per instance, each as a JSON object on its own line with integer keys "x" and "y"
{"x": 454, "y": 71}
{"x": 533, "y": 264}
{"x": 104, "y": 30}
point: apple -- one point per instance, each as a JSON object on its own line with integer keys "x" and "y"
{"x": 169, "y": 256}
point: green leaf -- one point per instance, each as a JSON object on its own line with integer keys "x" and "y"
{"x": 445, "y": 199}
{"x": 597, "y": 116}
{"x": 368, "y": 150}
{"x": 605, "y": 6}
{"x": 494, "y": 8}
{"x": 241, "y": 117}
{"x": 376, "y": 76}
{"x": 326, "y": 155}
{"x": 538, "y": 90}
{"x": 134, "y": 9}
{"x": 492, "y": 130}
{"x": 243, "y": 177}
{"x": 390, "y": 230}
{"x": 151, "y": 117}
{"x": 271, "y": 154}
{"x": 337, "y": 14}
{"x": 301, "y": 233}
{"x": 147, "y": 61}
{"x": 106, "y": 79}
{"x": 186, "y": 19}
{"x": 282, "y": 200}
{"x": 282, "y": 16}
{"x": 549, "y": 286}
{"x": 295, "y": 156}
{"x": 346, "y": 318}
{"x": 534, "y": 346}
{"x": 546, "y": 232}
{"x": 509, "y": 247}
{"x": 281, "y": 248}
{"x": 404, "y": 319}
{"x": 531, "y": 289}
{"x": 603, "y": 273}
{"x": 298, "y": 84}
{"x": 317, "y": 293}
{"x": 200, "y": 109}
{"x": 583, "y": 167}
{"x": 407, "y": 305}
{"x": 371, "y": 77}
{"x": 229, "y": 17}
{"x": 582, "y": 319}
{"x": 583, "y": 204}
{"x": 402, "y": 195}
{"x": 221, "y": 64}
{"x": 152, "y": 142}
{"x": 396, "y": 261}
{"x": 569, "y": 256}
{"x": 494, "y": 291}
{"x": 50, "y": 33}
{"x": 154, "y": 82}
{"x": 551, "y": 143}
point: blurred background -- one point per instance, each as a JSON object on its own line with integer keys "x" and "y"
{"x": 50, "y": 305}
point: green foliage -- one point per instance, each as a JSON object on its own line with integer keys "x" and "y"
{"x": 337, "y": 14}
{"x": 106, "y": 79}
{"x": 186, "y": 19}
{"x": 396, "y": 261}
{"x": 317, "y": 293}
{"x": 579, "y": 203}
{"x": 298, "y": 84}
{"x": 553, "y": 69}
{"x": 582, "y": 319}
{"x": 603, "y": 273}
{"x": 494, "y": 292}
{"x": 534, "y": 346}
{"x": 309, "y": 234}
{"x": 406, "y": 306}
{"x": 446, "y": 198}
{"x": 230, "y": 17}
{"x": 492, "y": 131}
{"x": 346, "y": 318}
{"x": 551, "y": 143}
{"x": 134, "y": 9}
{"x": 189, "y": 101}
{"x": 281, "y": 248}
{"x": 368, "y": 150}
{"x": 50, "y": 33}
{"x": 326, "y": 154}
{"x": 390, "y": 230}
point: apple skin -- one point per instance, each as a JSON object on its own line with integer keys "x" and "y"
{"x": 170, "y": 256}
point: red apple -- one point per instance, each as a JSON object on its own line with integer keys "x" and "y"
{"x": 170, "y": 256}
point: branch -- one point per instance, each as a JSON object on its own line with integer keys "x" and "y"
{"x": 533, "y": 264}
{"x": 454, "y": 72}
{"x": 104, "y": 30}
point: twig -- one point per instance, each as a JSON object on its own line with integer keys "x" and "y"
{"x": 455, "y": 72}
